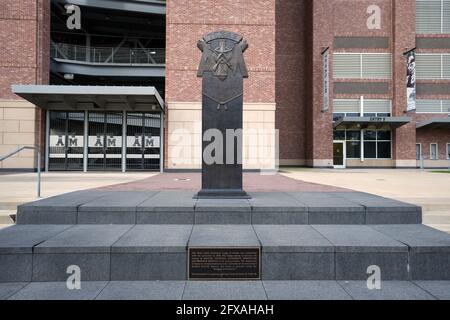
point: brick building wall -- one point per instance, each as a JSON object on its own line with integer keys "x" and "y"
{"x": 24, "y": 59}
{"x": 348, "y": 19}
{"x": 291, "y": 63}
{"x": 284, "y": 89}
{"x": 189, "y": 21}
{"x": 404, "y": 38}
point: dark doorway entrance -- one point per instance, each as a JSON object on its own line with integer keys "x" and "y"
{"x": 339, "y": 154}
{"x": 143, "y": 140}
{"x": 105, "y": 141}
{"x": 66, "y": 140}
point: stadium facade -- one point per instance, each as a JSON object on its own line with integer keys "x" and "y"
{"x": 346, "y": 83}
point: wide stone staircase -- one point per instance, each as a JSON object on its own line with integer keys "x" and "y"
{"x": 138, "y": 236}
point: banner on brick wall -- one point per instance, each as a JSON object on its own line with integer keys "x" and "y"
{"x": 411, "y": 81}
{"x": 326, "y": 80}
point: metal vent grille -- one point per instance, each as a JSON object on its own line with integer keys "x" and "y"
{"x": 346, "y": 106}
{"x": 362, "y": 65}
{"x": 429, "y": 16}
{"x": 432, "y": 106}
{"x": 353, "y": 106}
{"x": 446, "y": 65}
{"x": 377, "y": 66}
{"x": 446, "y": 17}
{"x": 446, "y": 106}
{"x": 433, "y": 66}
{"x": 377, "y": 106}
{"x": 347, "y": 65}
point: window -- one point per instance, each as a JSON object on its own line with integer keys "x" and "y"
{"x": 432, "y": 66}
{"x": 418, "y": 151}
{"x": 432, "y": 106}
{"x": 353, "y": 149}
{"x": 432, "y": 16}
{"x": 448, "y": 151}
{"x": 339, "y": 135}
{"x": 362, "y": 65}
{"x": 377, "y": 143}
{"x": 383, "y": 144}
{"x": 353, "y": 144}
{"x": 434, "y": 151}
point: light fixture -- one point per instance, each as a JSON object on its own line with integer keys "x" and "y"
{"x": 69, "y": 76}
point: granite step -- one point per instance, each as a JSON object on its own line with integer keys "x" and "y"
{"x": 40, "y": 253}
{"x": 227, "y": 290}
{"x": 180, "y": 207}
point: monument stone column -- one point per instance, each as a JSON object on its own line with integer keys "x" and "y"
{"x": 223, "y": 70}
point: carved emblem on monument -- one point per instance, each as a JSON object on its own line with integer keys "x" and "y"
{"x": 222, "y": 54}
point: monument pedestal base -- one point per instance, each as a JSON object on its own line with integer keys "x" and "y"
{"x": 222, "y": 194}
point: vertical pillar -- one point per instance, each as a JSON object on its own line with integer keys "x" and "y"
{"x": 86, "y": 141}
{"x": 161, "y": 144}
{"x": 124, "y": 141}
{"x": 319, "y": 129}
{"x": 88, "y": 47}
{"x": 404, "y": 34}
{"x": 361, "y": 114}
{"x": 47, "y": 139}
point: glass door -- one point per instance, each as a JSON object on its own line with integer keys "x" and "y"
{"x": 105, "y": 141}
{"x": 339, "y": 154}
{"x": 66, "y": 140}
{"x": 143, "y": 141}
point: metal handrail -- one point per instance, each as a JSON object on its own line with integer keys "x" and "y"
{"x": 108, "y": 55}
{"x": 36, "y": 148}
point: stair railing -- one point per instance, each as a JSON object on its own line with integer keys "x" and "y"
{"x": 36, "y": 148}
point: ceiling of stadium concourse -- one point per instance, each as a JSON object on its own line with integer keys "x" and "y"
{"x": 109, "y": 27}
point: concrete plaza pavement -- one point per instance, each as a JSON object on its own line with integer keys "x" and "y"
{"x": 421, "y": 187}
{"x": 227, "y": 290}
{"x": 19, "y": 188}
{"x": 425, "y": 188}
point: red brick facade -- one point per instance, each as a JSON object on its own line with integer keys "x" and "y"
{"x": 286, "y": 38}
{"x": 189, "y": 20}
{"x": 25, "y": 51}
{"x": 304, "y": 29}
{"x": 25, "y": 38}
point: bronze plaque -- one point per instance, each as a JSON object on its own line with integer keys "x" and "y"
{"x": 224, "y": 263}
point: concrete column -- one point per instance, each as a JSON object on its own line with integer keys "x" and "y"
{"x": 124, "y": 141}
{"x": 361, "y": 114}
{"x": 88, "y": 48}
{"x": 47, "y": 139}
{"x": 161, "y": 146}
{"x": 86, "y": 142}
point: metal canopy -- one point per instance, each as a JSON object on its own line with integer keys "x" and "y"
{"x": 437, "y": 123}
{"x": 99, "y": 98}
{"x": 371, "y": 122}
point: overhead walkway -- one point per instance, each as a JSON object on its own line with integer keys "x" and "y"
{"x": 107, "y": 61}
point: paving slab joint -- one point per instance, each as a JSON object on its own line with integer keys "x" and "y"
{"x": 106, "y": 284}
{"x": 424, "y": 289}
{"x": 340, "y": 284}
